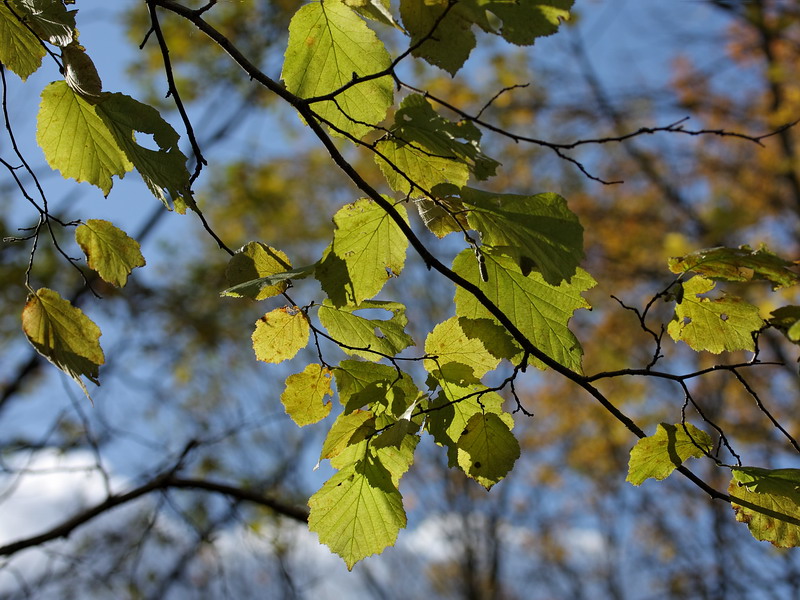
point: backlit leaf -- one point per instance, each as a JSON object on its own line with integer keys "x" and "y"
{"x": 787, "y": 320}
{"x": 386, "y": 392}
{"x": 304, "y": 395}
{"x": 20, "y": 50}
{"x": 109, "y": 250}
{"x": 367, "y": 249}
{"x": 713, "y": 324}
{"x": 657, "y": 456}
{"x": 460, "y": 359}
{"x": 254, "y": 287}
{"x": 63, "y": 335}
{"x": 768, "y": 500}
{"x": 429, "y": 149}
{"x": 539, "y": 232}
{"x": 80, "y": 72}
{"x": 348, "y": 429}
{"x": 355, "y": 333}
{"x": 359, "y": 511}
{"x": 252, "y": 262}
{"x": 738, "y": 264}
{"x": 487, "y": 450}
{"x": 280, "y": 334}
{"x": 539, "y": 310}
{"x": 449, "y": 45}
{"x": 329, "y": 45}
{"x": 50, "y": 19}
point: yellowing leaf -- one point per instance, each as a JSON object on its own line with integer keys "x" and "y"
{"x": 63, "y": 335}
{"x": 539, "y": 310}
{"x": 20, "y": 50}
{"x": 358, "y": 512}
{"x": 367, "y": 249}
{"x": 76, "y": 140}
{"x": 487, "y": 450}
{"x": 329, "y": 45}
{"x": 109, "y": 250}
{"x": 304, "y": 395}
{"x": 357, "y": 333}
{"x": 253, "y": 261}
{"x": 280, "y": 335}
{"x": 657, "y": 456}
{"x": 714, "y": 325}
{"x": 768, "y": 500}
{"x": 460, "y": 359}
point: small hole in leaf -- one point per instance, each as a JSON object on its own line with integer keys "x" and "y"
{"x": 687, "y": 320}
{"x": 145, "y": 140}
{"x": 477, "y": 465}
{"x": 724, "y": 317}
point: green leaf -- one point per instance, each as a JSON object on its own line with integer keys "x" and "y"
{"x": 280, "y": 334}
{"x": 657, "y": 456}
{"x": 256, "y": 262}
{"x": 450, "y": 44}
{"x": 713, "y": 324}
{"x": 304, "y": 396}
{"x": 76, "y": 140}
{"x": 539, "y": 310}
{"x": 109, "y": 250}
{"x": 426, "y": 149}
{"x": 358, "y": 512}
{"x": 460, "y": 359}
{"x": 487, "y": 449}
{"x": 254, "y": 287}
{"x": 348, "y": 429}
{"x": 539, "y": 232}
{"x": 163, "y": 170}
{"x": 20, "y": 50}
{"x": 768, "y": 500}
{"x": 329, "y": 45}
{"x": 93, "y": 139}
{"x": 50, "y": 19}
{"x": 377, "y": 10}
{"x": 787, "y": 320}
{"x": 64, "y": 335}
{"x": 393, "y": 448}
{"x": 367, "y": 249}
{"x": 443, "y": 215}
{"x": 454, "y": 406}
{"x": 387, "y": 392}
{"x": 494, "y": 337}
{"x": 388, "y": 337}
{"x": 738, "y": 264}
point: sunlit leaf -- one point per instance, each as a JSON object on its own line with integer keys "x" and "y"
{"x": 377, "y": 10}
{"x": 63, "y": 335}
{"x": 79, "y": 71}
{"x": 459, "y": 359}
{"x": 658, "y": 455}
{"x": 348, "y": 429}
{"x": 713, "y": 324}
{"x": 359, "y": 511}
{"x": 368, "y": 248}
{"x": 539, "y": 310}
{"x": 50, "y": 19}
{"x": 356, "y": 333}
{"x": 428, "y": 149}
{"x": 280, "y": 334}
{"x": 253, "y": 287}
{"x": 387, "y": 392}
{"x": 256, "y": 261}
{"x": 487, "y": 450}
{"x": 20, "y": 50}
{"x": 787, "y": 320}
{"x": 768, "y": 501}
{"x": 738, "y": 264}
{"x": 304, "y": 395}
{"x": 109, "y": 250}
{"x": 329, "y": 45}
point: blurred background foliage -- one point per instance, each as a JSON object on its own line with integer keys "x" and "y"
{"x": 564, "y": 524}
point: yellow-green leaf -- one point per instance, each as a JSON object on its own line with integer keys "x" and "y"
{"x": 329, "y": 45}
{"x": 738, "y": 264}
{"x": 713, "y": 324}
{"x": 460, "y": 359}
{"x": 348, "y": 429}
{"x": 280, "y": 334}
{"x": 64, "y": 335}
{"x": 768, "y": 501}
{"x": 487, "y": 450}
{"x": 109, "y": 250}
{"x": 254, "y": 261}
{"x": 304, "y": 395}
{"x": 657, "y": 456}
{"x": 20, "y": 50}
